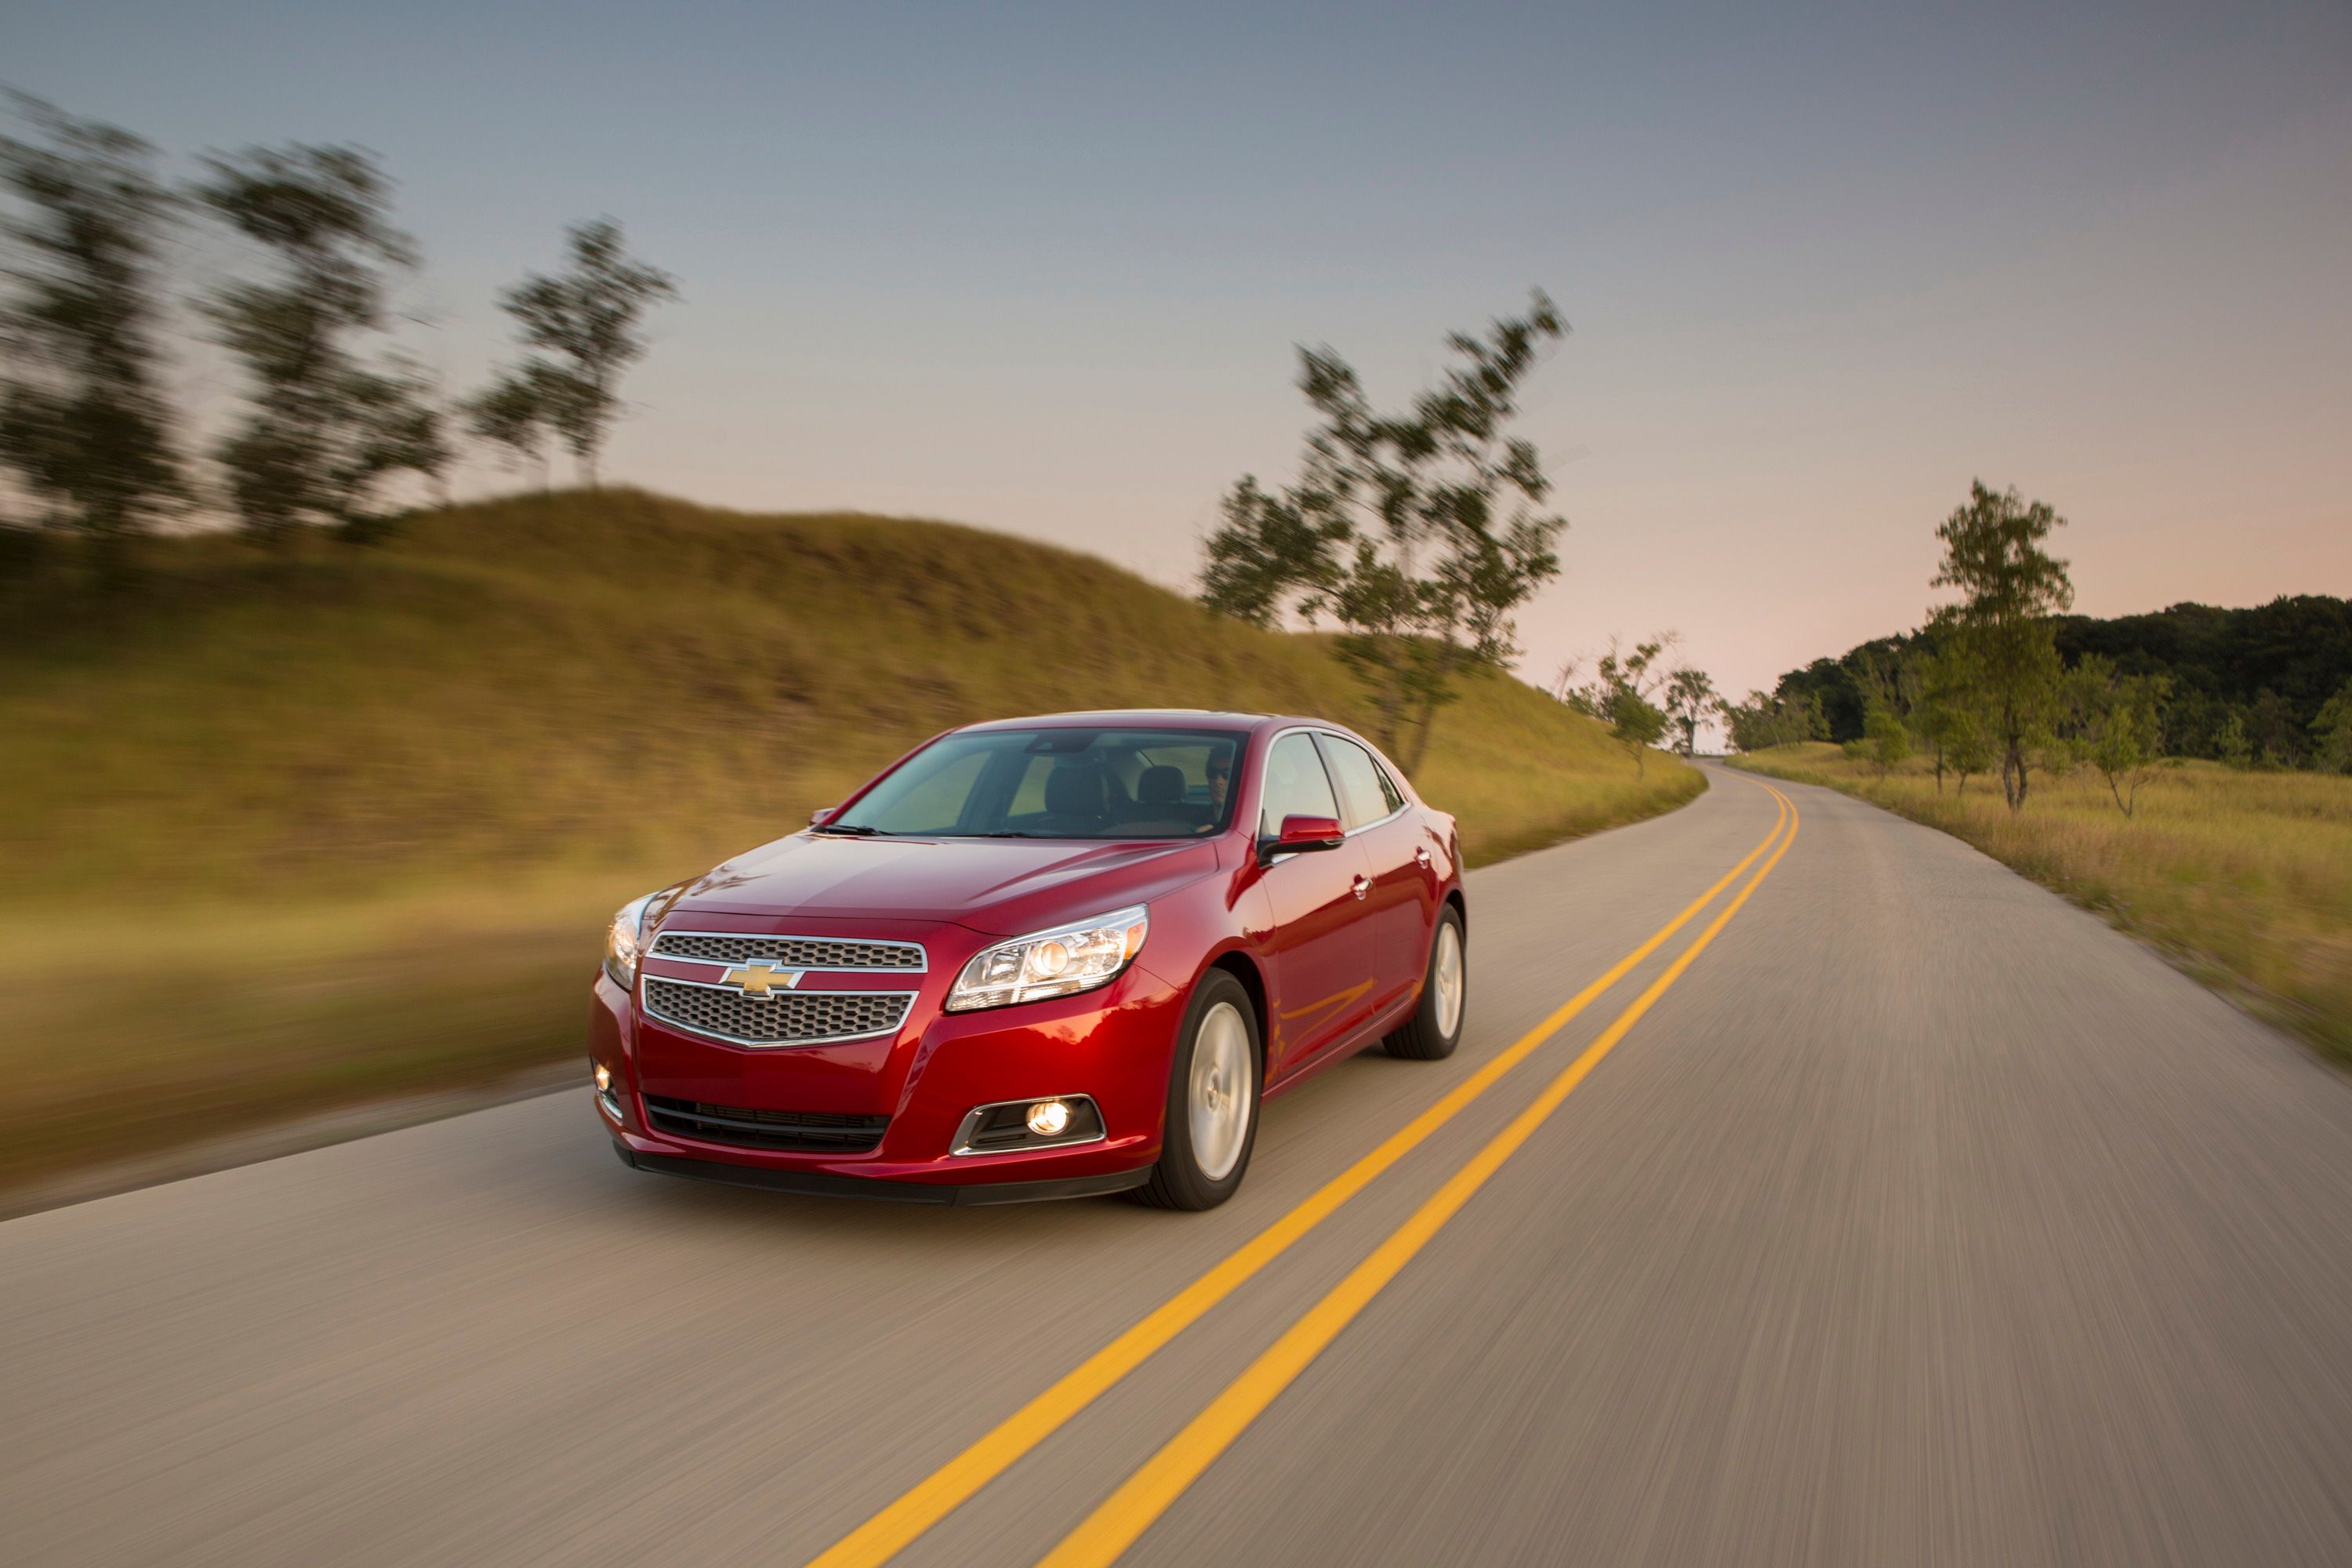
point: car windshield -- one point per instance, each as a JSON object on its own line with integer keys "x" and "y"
{"x": 1056, "y": 784}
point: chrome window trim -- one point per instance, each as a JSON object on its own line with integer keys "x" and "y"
{"x": 1326, "y": 730}
{"x": 961, "y": 1144}
{"x": 924, "y": 967}
{"x": 644, "y": 1004}
{"x": 1372, "y": 757}
{"x": 1276, "y": 739}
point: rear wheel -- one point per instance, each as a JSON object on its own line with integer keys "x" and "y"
{"x": 1212, "y": 1094}
{"x": 1435, "y": 1026}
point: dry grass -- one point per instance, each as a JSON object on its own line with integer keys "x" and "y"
{"x": 2245, "y": 879}
{"x": 288, "y": 831}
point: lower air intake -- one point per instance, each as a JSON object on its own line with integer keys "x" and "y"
{"x": 788, "y": 1131}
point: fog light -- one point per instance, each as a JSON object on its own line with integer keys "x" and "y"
{"x": 1049, "y": 1122}
{"x": 604, "y": 1078}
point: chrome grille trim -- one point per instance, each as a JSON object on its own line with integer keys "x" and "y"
{"x": 789, "y": 1018}
{"x": 830, "y": 954}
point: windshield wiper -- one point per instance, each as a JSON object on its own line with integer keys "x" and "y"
{"x": 1010, "y": 832}
{"x": 850, "y": 832}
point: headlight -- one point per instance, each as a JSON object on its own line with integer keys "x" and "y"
{"x": 1075, "y": 957}
{"x": 621, "y": 942}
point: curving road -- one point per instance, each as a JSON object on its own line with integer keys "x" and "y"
{"x": 1918, "y": 1219}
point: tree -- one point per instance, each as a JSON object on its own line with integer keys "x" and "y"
{"x": 325, "y": 430}
{"x": 2116, "y": 722}
{"x": 1418, "y": 532}
{"x": 1644, "y": 671}
{"x": 1889, "y": 678}
{"x": 2331, "y": 734}
{"x": 588, "y": 318}
{"x": 2084, "y": 695}
{"x": 2011, "y": 587}
{"x": 1843, "y": 687}
{"x": 2272, "y": 731}
{"x": 2122, "y": 754}
{"x": 1269, "y": 553}
{"x": 1635, "y": 723}
{"x": 1764, "y": 720}
{"x": 1965, "y": 750}
{"x": 1621, "y": 691}
{"x": 1947, "y": 696}
{"x": 516, "y": 412}
{"x": 1888, "y": 742}
{"x": 2231, "y": 744}
{"x": 1690, "y": 699}
{"x": 403, "y": 430}
{"x": 83, "y": 420}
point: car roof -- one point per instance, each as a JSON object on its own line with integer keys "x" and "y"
{"x": 1171, "y": 718}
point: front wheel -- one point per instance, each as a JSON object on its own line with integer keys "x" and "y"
{"x": 1435, "y": 1026}
{"x": 1212, "y": 1094}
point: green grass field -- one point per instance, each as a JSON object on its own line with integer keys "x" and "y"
{"x": 286, "y": 831}
{"x": 2245, "y": 879}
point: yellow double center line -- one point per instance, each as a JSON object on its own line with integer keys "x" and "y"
{"x": 1123, "y": 1517}
{"x": 1127, "y": 1513}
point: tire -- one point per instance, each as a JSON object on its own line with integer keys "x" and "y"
{"x": 1430, "y": 1034}
{"x": 1203, "y": 1154}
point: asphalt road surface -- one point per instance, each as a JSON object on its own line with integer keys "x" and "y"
{"x": 1921, "y": 1219}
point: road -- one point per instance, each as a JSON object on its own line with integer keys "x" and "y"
{"x": 1921, "y": 1219}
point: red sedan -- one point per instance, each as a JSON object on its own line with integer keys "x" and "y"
{"x": 1036, "y": 959}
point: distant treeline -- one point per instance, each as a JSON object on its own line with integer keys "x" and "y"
{"x": 2273, "y": 667}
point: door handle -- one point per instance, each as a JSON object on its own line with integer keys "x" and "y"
{"x": 1420, "y": 853}
{"x": 1363, "y": 885}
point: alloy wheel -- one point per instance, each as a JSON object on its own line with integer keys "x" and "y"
{"x": 1219, "y": 1097}
{"x": 1448, "y": 978}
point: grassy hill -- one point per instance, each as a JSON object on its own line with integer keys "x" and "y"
{"x": 290, "y": 830}
{"x": 2245, "y": 879}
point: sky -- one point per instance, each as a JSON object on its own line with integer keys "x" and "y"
{"x": 1045, "y": 268}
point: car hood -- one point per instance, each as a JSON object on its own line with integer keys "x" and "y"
{"x": 1002, "y": 886}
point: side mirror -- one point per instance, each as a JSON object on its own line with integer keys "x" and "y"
{"x": 1302, "y": 835}
{"x": 821, "y": 814}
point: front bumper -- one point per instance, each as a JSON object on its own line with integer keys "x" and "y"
{"x": 1113, "y": 1044}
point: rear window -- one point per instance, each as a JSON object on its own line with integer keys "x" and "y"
{"x": 1057, "y": 784}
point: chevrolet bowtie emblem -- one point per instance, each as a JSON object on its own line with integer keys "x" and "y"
{"x": 759, "y": 979}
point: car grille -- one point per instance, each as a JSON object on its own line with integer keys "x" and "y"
{"x": 801, "y": 1017}
{"x": 791, "y": 952}
{"x": 798, "y": 1132}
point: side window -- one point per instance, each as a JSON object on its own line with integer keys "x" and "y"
{"x": 1295, "y": 784}
{"x": 1361, "y": 781}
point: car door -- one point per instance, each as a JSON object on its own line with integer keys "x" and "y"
{"x": 1402, "y": 902}
{"x": 1320, "y": 952}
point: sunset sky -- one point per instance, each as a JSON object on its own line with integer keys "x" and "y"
{"x": 1043, "y": 268}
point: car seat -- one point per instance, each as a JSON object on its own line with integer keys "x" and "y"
{"x": 1160, "y": 800}
{"x": 1078, "y": 796}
